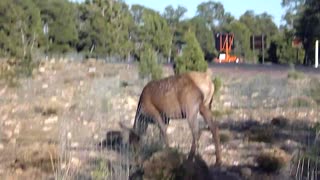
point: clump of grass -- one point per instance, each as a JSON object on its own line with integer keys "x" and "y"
{"x": 280, "y": 121}
{"x": 314, "y": 91}
{"x": 163, "y": 164}
{"x": 301, "y": 102}
{"x": 293, "y": 74}
{"x": 124, "y": 84}
{"x": 225, "y": 136}
{"x": 261, "y": 134}
{"x": 47, "y": 110}
{"x": 272, "y": 161}
{"x": 101, "y": 171}
{"x": 217, "y": 85}
{"x": 12, "y": 69}
{"x": 220, "y": 113}
{"x": 41, "y": 156}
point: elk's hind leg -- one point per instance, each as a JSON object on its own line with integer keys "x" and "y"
{"x": 194, "y": 127}
{"x": 207, "y": 116}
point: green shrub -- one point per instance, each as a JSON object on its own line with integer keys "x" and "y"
{"x": 13, "y": 69}
{"x": 261, "y": 134}
{"x": 314, "y": 91}
{"x": 102, "y": 170}
{"x": 225, "y": 136}
{"x": 293, "y": 74}
{"x": 280, "y": 121}
{"x": 148, "y": 65}
{"x": 217, "y": 84}
{"x": 192, "y": 58}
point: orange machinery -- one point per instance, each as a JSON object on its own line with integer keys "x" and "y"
{"x": 224, "y": 46}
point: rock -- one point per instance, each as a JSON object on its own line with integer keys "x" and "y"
{"x": 74, "y": 144}
{"x": 45, "y": 86}
{"x": 17, "y": 129}
{"x": 170, "y": 129}
{"x": 42, "y": 69}
{"x": 96, "y": 136}
{"x": 19, "y": 171}
{"x": 227, "y": 104}
{"x": 254, "y": 95}
{"x": 75, "y": 161}
{"x": 46, "y": 128}
{"x": 51, "y": 120}
{"x": 131, "y": 103}
{"x": 8, "y": 133}
{"x": 290, "y": 146}
{"x": 210, "y": 149}
{"x": 246, "y": 172}
{"x": 69, "y": 135}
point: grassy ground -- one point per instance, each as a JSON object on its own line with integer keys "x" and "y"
{"x": 50, "y": 124}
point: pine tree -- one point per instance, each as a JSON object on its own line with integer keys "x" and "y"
{"x": 192, "y": 58}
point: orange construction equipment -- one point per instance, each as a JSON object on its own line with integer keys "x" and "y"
{"x": 225, "y": 42}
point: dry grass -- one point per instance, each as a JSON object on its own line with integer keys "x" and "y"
{"x": 40, "y": 156}
{"x": 272, "y": 161}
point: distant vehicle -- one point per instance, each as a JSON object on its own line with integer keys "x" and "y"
{"x": 224, "y": 44}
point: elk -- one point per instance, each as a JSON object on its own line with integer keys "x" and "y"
{"x": 180, "y": 96}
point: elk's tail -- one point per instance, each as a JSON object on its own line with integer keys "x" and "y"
{"x": 140, "y": 124}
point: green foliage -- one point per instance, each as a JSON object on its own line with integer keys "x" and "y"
{"x": 59, "y": 14}
{"x": 314, "y": 91}
{"x": 192, "y": 58}
{"x": 307, "y": 26}
{"x": 217, "y": 82}
{"x": 225, "y": 136}
{"x": 292, "y": 74}
{"x": 204, "y": 35}
{"x": 101, "y": 171}
{"x": 148, "y": 64}
{"x": 109, "y": 28}
{"x": 261, "y": 134}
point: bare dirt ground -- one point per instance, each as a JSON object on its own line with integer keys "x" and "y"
{"x": 50, "y": 124}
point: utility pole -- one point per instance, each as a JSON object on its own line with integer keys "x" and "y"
{"x": 316, "y": 63}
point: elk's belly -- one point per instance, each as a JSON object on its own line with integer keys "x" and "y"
{"x": 172, "y": 110}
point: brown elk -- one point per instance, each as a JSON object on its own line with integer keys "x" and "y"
{"x": 180, "y": 96}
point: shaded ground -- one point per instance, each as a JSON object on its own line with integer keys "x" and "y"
{"x": 51, "y": 124}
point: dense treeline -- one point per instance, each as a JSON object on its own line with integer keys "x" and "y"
{"x": 111, "y": 28}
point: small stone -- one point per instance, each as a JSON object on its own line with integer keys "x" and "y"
{"x": 51, "y": 120}
{"x": 69, "y": 135}
{"x": 13, "y": 141}
{"x": 8, "y": 133}
{"x": 75, "y": 161}
{"x": 95, "y": 136}
{"x": 92, "y": 70}
{"x": 246, "y": 172}
{"x": 85, "y": 123}
{"x": 46, "y": 128}
{"x": 170, "y": 129}
{"x": 227, "y": 104}
{"x": 17, "y": 129}
{"x": 19, "y": 171}
{"x": 45, "y": 86}
{"x": 210, "y": 148}
{"x": 74, "y": 144}
{"x": 42, "y": 69}
{"x": 92, "y": 154}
